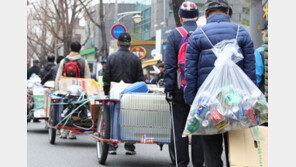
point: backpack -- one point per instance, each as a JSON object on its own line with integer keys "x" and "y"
{"x": 182, "y": 56}
{"x": 74, "y": 68}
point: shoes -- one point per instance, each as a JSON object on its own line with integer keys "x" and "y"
{"x": 72, "y": 135}
{"x": 112, "y": 152}
{"x": 64, "y": 133}
{"x": 58, "y": 132}
{"x": 130, "y": 152}
{"x": 35, "y": 120}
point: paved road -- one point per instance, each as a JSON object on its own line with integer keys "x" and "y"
{"x": 82, "y": 152}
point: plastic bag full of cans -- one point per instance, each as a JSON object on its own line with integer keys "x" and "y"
{"x": 228, "y": 99}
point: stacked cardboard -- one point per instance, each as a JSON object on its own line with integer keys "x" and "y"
{"x": 89, "y": 85}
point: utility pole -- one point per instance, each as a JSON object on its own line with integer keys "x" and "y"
{"x": 256, "y": 22}
{"x": 116, "y": 12}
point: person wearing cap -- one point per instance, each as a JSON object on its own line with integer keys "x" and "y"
{"x": 200, "y": 61}
{"x": 122, "y": 66}
{"x": 35, "y": 69}
{"x": 188, "y": 13}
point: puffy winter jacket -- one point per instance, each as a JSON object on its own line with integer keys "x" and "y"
{"x": 122, "y": 65}
{"x": 32, "y": 70}
{"x": 51, "y": 74}
{"x": 47, "y": 67}
{"x": 171, "y": 58}
{"x": 200, "y": 59}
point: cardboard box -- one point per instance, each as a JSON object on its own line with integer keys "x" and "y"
{"x": 47, "y": 100}
{"x": 86, "y": 84}
{"x": 242, "y": 147}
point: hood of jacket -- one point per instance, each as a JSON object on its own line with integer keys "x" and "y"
{"x": 74, "y": 56}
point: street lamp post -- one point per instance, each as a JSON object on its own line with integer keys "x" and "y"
{"x": 137, "y": 18}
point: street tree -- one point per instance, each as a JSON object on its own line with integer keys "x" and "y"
{"x": 55, "y": 21}
{"x": 176, "y": 4}
{"x": 101, "y": 25}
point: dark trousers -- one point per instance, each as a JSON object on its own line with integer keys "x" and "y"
{"x": 212, "y": 145}
{"x": 180, "y": 112}
{"x": 127, "y": 146}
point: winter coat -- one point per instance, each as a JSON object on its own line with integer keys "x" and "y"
{"x": 51, "y": 74}
{"x": 200, "y": 59}
{"x": 72, "y": 56}
{"x": 266, "y": 65}
{"x": 32, "y": 70}
{"x": 122, "y": 65}
{"x": 47, "y": 67}
{"x": 171, "y": 58}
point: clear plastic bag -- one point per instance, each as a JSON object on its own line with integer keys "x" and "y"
{"x": 228, "y": 99}
{"x": 34, "y": 81}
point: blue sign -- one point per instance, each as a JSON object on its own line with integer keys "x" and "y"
{"x": 116, "y": 30}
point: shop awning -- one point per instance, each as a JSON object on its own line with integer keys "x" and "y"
{"x": 150, "y": 62}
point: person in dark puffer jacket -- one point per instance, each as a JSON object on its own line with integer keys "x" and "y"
{"x": 46, "y": 68}
{"x": 188, "y": 13}
{"x": 51, "y": 74}
{"x": 200, "y": 62}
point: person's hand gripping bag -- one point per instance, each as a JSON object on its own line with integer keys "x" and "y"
{"x": 228, "y": 99}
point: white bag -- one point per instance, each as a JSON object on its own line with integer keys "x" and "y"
{"x": 227, "y": 99}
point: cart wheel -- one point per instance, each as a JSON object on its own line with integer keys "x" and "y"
{"x": 52, "y": 122}
{"x": 104, "y": 133}
{"x": 172, "y": 152}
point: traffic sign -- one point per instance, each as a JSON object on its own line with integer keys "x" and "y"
{"x": 139, "y": 51}
{"x": 116, "y": 30}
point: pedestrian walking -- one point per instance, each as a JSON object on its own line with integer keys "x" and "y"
{"x": 75, "y": 60}
{"x": 34, "y": 70}
{"x": 103, "y": 63}
{"x": 122, "y": 66}
{"x": 47, "y": 67}
{"x": 200, "y": 62}
{"x": 51, "y": 74}
{"x": 160, "y": 76}
{"x": 188, "y": 13}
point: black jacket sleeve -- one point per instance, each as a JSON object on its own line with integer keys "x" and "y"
{"x": 107, "y": 77}
{"x": 47, "y": 77}
{"x": 140, "y": 75}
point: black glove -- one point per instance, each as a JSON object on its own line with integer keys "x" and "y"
{"x": 169, "y": 97}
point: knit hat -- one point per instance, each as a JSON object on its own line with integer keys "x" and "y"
{"x": 188, "y": 10}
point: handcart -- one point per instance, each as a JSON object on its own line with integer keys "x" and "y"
{"x": 36, "y": 104}
{"x": 129, "y": 120}
{"x": 69, "y": 112}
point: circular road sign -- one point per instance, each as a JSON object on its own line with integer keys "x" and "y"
{"x": 139, "y": 51}
{"x": 116, "y": 30}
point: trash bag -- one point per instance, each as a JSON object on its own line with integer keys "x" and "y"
{"x": 228, "y": 99}
{"x": 34, "y": 81}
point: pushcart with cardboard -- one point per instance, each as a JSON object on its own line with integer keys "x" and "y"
{"x": 72, "y": 107}
{"x": 135, "y": 118}
{"x": 56, "y": 117}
